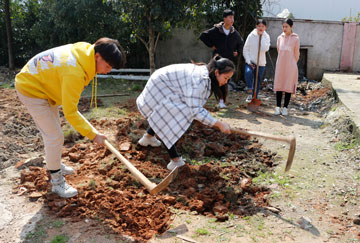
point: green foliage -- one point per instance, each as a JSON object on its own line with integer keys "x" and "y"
{"x": 92, "y": 184}
{"x": 340, "y": 146}
{"x": 136, "y": 87}
{"x": 58, "y": 224}
{"x": 40, "y": 25}
{"x": 269, "y": 178}
{"x": 352, "y": 18}
{"x": 202, "y": 231}
{"x": 60, "y": 239}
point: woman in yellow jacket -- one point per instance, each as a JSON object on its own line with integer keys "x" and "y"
{"x": 57, "y": 77}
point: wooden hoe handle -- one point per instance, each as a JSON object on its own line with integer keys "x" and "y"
{"x": 137, "y": 174}
{"x": 291, "y": 140}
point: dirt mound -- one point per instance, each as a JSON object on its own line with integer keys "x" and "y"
{"x": 216, "y": 181}
{"x": 313, "y": 96}
{"x": 18, "y": 132}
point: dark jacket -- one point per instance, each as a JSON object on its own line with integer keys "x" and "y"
{"x": 225, "y": 44}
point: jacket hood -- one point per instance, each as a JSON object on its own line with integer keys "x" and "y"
{"x": 254, "y": 32}
{"x": 85, "y": 56}
{"x": 220, "y": 25}
{"x": 292, "y": 34}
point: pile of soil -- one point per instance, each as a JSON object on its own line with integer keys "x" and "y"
{"x": 18, "y": 132}
{"x": 313, "y": 96}
{"x": 216, "y": 181}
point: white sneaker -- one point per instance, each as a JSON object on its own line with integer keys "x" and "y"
{"x": 152, "y": 141}
{"x": 172, "y": 165}
{"x": 66, "y": 170}
{"x": 277, "y": 111}
{"x": 60, "y": 187}
{"x": 248, "y": 99}
{"x": 284, "y": 111}
{"x": 221, "y": 104}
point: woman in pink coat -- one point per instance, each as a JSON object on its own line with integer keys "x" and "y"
{"x": 286, "y": 73}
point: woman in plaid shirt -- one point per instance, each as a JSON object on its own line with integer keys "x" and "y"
{"x": 175, "y": 95}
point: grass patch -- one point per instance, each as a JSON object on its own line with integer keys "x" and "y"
{"x": 341, "y": 146}
{"x": 269, "y": 178}
{"x": 38, "y": 235}
{"x": 7, "y": 86}
{"x": 58, "y": 224}
{"x": 92, "y": 184}
{"x": 60, "y": 239}
{"x": 202, "y": 231}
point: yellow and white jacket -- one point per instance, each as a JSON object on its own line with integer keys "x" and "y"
{"x": 60, "y": 76}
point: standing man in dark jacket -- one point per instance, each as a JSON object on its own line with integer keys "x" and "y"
{"x": 226, "y": 41}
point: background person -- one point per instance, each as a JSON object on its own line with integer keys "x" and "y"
{"x": 175, "y": 95}
{"x": 250, "y": 53}
{"x": 57, "y": 77}
{"x": 225, "y": 41}
{"x": 286, "y": 73}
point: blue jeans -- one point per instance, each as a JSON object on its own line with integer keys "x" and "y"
{"x": 250, "y": 76}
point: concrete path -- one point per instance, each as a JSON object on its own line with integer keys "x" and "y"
{"x": 347, "y": 88}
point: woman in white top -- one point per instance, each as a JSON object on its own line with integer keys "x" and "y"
{"x": 250, "y": 53}
{"x": 175, "y": 95}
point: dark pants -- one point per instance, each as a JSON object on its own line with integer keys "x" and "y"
{"x": 279, "y": 95}
{"x": 172, "y": 151}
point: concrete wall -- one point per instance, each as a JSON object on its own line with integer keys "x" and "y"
{"x": 182, "y": 47}
{"x": 323, "y": 41}
{"x": 356, "y": 64}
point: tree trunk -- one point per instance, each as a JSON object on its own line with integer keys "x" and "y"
{"x": 9, "y": 34}
{"x": 151, "y": 48}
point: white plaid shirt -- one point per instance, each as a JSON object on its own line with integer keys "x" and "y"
{"x": 173, "y": 97}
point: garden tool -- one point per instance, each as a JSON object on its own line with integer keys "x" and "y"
{"x": 150, "y": 186}
{"x": 291, "y": 140}
{"x": 255, "y": 103}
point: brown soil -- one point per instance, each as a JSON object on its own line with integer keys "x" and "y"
{"x": 19, "y": 135}
{"x": 216, "y": 181}
{"x": 107, "y": 190}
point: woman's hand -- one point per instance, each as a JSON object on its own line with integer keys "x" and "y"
{"x": 100, "y": 139}
{"x": 223, "y": 127}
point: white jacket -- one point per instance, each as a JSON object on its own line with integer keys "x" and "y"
{"x": 250, "y": 50}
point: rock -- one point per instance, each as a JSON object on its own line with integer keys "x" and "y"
{"x": 245, "y": 183}
{"x": 169, "y": 199}
{"x": 273, "y": 209}
{"x": 357, "y": 221}
{"x": 220, "y": 209}
{"x": 196, "y": 205}
{"x": 125, "y": 146}
{"x": 222, "y": 218}
{"x": 35, "y": 195}
{"x": 74, "y": 157}
{"x": 30, "y": 162}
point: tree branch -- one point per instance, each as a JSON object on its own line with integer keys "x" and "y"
{"x": 157, "y": 39}
{"x": 144, "y": 42}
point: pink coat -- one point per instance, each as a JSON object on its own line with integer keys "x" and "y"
{"x": 286, "y": 73}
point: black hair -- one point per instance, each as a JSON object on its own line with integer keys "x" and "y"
{"x": 289, "y": 22}
{"x": 224, "y": 65}
{"x": 111, "y": 51}
{"x": 228, "y": 12}
{"x": 260, "y": 21}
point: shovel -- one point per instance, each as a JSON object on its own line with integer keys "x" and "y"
{"x": 150, "y": 186}
{"x": 291, "y": 140}
{"x": 255, "y": 103}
